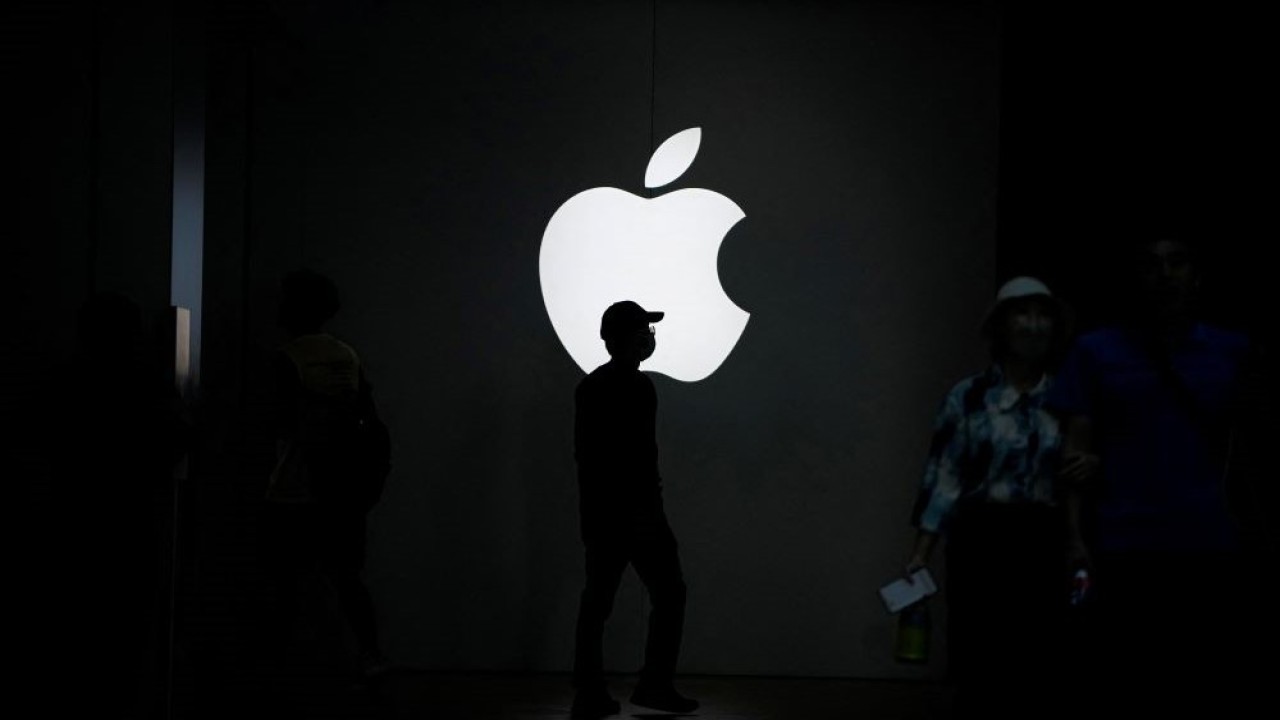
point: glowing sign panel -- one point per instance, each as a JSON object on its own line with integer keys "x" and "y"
{"x": 605, "y": 245}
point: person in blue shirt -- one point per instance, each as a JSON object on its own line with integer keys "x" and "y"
{"x": 990, "y": 487}
{"x": 1153, "y": 397}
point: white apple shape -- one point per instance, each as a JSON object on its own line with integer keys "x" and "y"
{"x": 604, "y": 245}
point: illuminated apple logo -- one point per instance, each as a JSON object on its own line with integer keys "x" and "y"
{"x": 605, "y": 245}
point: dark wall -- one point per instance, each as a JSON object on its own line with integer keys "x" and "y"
{"x": 91, "y": 153}
{"x": 1126, "y": 118}
{"x": 88, "y": 147}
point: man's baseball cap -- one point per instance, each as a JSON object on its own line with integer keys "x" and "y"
{"x": 625, "y": 317}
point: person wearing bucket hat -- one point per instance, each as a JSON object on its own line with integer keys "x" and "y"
{"x": 989, "y": 487}
{"x": 1043, "y": 337}
{"x": 622, "y": 517}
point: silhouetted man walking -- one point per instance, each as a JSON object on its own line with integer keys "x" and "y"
{"x": 620, "y": 499}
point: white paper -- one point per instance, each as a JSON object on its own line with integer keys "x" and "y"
{"x": 900, "y": 593}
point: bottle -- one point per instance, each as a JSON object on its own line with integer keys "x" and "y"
{"x": 1080, "y": 587}
{"x": 913, "y": 634}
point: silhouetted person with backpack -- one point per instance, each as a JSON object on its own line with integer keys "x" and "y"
{"x": 622, "y": 518}
{"x": 332, "y": 462}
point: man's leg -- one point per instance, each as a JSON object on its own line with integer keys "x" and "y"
{"x": 657, "y": 562}
{"x": 286, "y": 557}
{"x": 606, "y": 562}
{"x": 342, "y": 562}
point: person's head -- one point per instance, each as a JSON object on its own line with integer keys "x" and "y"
{"x": 1026, "y": 323}
{"x": 1168, "y": 276}
{"x": 627, "y": 331}
{"x": 307, "y": 301}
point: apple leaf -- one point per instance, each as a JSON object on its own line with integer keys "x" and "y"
{"x": 672, "y": 157}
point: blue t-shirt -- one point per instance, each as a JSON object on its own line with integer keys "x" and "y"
{"x": 1162, "y": 464}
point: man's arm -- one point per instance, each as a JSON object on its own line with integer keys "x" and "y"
{"x": 584, "y": 442}
{"x": 941, "y": 484}
{"x": 1079, "y": 469}
{"x": 1072, "y": 401}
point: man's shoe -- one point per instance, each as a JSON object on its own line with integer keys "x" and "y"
{"x": 663, "y": 698}
{"x": 593, "y": 704}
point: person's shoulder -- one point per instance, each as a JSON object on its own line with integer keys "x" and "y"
{"x": 342, "y": 343}
{"x": 320, "y": 345}
{"x": 593, "y": 380}
{"x": 1102, "y": 337}
{"x": 339, "y": 346}
{"x": 609, "y": 378}
{"x": 986, "y": 379}
{"x": 977, "y": 384}
{"x": 1098, "y": 344}
{"x": 1222, "y": 337}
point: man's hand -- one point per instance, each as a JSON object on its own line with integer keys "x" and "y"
{"x": 1079, "y": 469}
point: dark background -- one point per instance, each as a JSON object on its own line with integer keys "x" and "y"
{"x": 895, "y": 161}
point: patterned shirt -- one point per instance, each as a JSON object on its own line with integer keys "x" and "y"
{"x": 991, "y": 443}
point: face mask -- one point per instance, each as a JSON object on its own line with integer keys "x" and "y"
{"x": 647, "y": 346}
{"x": 1031, "y": 337}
